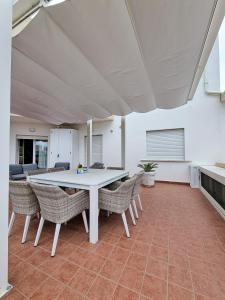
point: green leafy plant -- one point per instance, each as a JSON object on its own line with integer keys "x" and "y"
{"x": 148, "y": 167}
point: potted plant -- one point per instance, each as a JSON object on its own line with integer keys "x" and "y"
{"x": 148, "y": 178}
{"x": 80, "y": 169}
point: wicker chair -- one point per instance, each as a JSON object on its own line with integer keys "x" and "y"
{"x": 58, "y": 169}
{"x": 115, "y": 168}
{"x": 135, "y": 193}
{"x": 36, "y": 172}
{"x": 23, "y": 202}
{"x": 58, "y": 207}
{"x": 97, "y": 165}
{"x": 118, "y": 200}
{"x": 119, "y": 168}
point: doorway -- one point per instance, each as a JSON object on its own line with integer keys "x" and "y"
{"x": 25, "y": 151}
{"x": 33, "y": 150}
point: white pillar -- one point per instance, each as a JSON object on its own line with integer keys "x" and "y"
{"x": 5, "y": 77}
{"x": 89, "y": 143}
{"x": 123, "y": 142}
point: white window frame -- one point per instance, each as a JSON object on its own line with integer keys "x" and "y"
{"x": 168, "y": 158}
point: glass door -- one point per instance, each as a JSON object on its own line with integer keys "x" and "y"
{"x": 25, "y": 151}
{"x": 32, "y": 151}
{"x": 41, "y": 153}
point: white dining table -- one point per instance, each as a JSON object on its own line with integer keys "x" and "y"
{"x": 92, "y": 181}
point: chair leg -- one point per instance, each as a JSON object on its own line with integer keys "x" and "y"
{"x": 139, "y": 201}
{"x": 132, "y": 214}
{"x": 56, "y": 237}
{"x": 125, "y": 224}
{"x": 135, "y": 208}
{"x": 12, "y": 220}
{"x": 85, "y": 220}
{"x": 40, "y": 226}
{"x": 26, "y": 226}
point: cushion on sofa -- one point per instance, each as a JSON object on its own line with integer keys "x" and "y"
{"x": 29, "y": 167}
{"x": 15, "y": 169}
{"x": 18, "y": 177}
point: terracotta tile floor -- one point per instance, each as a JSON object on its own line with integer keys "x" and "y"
{"x": 176, "y": 252}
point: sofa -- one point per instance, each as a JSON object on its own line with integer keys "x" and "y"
{"x": 18, "y": 172}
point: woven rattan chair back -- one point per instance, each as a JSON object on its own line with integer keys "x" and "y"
{"x": 137, "y": 184}
{"x": 117, "y": 200}
{"x": 22, "y": 197}
{"x": 36, "y": 172}
{"x": 53, "y": 202}
{"x": 58, "y": 169}
{"x": 115, "y": 168}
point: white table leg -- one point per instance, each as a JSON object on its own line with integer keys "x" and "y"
{"x": 93, "y": 215}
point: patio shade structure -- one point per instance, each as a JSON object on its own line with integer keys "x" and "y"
{"x": 83, "y": 59}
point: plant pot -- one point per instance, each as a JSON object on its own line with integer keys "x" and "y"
{"x": 80, "y": 171}
{"x": 148, "y": 179}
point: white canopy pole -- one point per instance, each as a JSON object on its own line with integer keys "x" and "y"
{"x": 123, "y": 142}
{"x": 89, "y": 143}
{"x": 5, "y": 77}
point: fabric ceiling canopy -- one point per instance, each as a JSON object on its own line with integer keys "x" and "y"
{"x": 87, "y": 59}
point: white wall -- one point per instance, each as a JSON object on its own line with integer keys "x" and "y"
{"x": 222, "y": 56}
{"x": 203, "y": 134}
{"x": 215, "y": 68}
{"x": 111, "y": 141}
{"x": 19, "y": 128}
{"x": 203, "y": 121}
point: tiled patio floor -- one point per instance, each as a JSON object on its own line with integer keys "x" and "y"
{"x": 176, "y": 251}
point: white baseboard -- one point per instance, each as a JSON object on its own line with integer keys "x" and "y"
{"x": 218, "y": 208}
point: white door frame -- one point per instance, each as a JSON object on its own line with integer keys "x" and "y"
{"x": 5, "y": 81}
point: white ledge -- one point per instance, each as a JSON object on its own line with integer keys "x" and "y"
{"x": 158, "y": 160}
{"x": 214, "y": 172}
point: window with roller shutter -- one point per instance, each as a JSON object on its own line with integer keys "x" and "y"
{"x": 165, "y": 145}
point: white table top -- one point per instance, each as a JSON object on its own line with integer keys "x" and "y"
{"x": 93, "y": 178}
{"x": 216, "y": 173}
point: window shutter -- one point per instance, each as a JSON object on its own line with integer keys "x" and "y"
{"x": 97, "y": 149}
{"x": 165, "y": 144}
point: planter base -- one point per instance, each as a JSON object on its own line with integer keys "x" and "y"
{"x": 148, "y": 186}
{"x": 148, "y": 179}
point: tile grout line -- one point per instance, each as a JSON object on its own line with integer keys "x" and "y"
{"x": 120, "y": 275}
{"x": 140, "y": 292}
{"x": 167, "y": 277}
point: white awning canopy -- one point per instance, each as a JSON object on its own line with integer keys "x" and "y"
{"x": 83, "y": 59}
